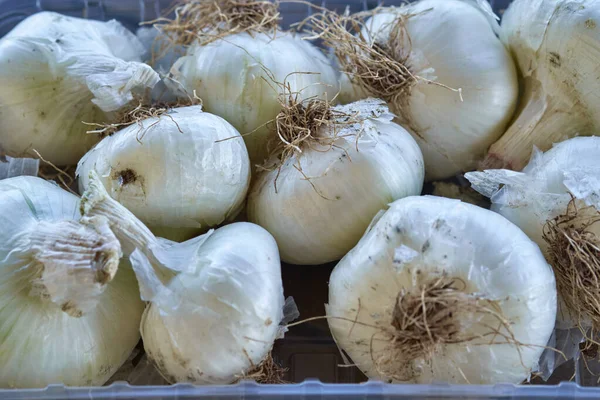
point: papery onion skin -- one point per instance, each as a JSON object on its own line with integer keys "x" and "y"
{"x": 320, "y": 220}
{"x": 39, "y": 343}
{"x": 172, "y": 172}
{"x": 231, "y": 307}
{"x": 543, "y": 191}
{"x": 57, "y": 71}
{"x": 216, "y": 301}
{"x": 237, "y": 78}
{"x": 421, "y": 237}
{"x": 452, "y": 43}
{"x": 554, "y": 43}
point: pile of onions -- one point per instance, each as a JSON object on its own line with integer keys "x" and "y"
{"x": 428, "y": 289}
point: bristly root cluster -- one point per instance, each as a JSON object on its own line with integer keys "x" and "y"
{"x": 205, "y": 21}
{"x": 267, "y": 372}
{"x": 138, "y": 114}
{"x": 378, "y": 62}
{"x": 574, "y": 253}
{"x": 379, "y": 66}
{"x": 436, "y": 313}
{"x": 311, "y": 123}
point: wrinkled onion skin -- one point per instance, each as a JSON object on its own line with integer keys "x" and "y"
{"x": 181, "y": 173}
{"x": 230, "y": 310}
{"x": 39, "y": 343}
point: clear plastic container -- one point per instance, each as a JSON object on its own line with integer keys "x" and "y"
{"x": 308, "y": 351}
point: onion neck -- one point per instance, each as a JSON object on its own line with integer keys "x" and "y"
{"x": 74, "y": 262}
{"x": 130, "y": 231}
{"x": 542, "y": 120}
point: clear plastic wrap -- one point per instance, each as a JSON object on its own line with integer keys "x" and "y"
{"x": 12, "y": 167}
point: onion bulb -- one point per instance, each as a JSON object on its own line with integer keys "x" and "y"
{"x": 554, "y": 43}
{"x": 57, "y": 71}
{"x": 69, "y": 313}
{"x": 321, "y": 195}
{"x": 440, "y": 290}
{"x": 440, "y": 67}
{"x": 236, "y": 59}
{"x": 216, "y": 301}
{"x": 180, "y": 170}
{"x": 555, "y": 200}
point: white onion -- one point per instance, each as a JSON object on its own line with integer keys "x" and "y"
{"x": 67, "y": 315}
{"x": 543, "y": 191}
{"x": 216, "y": 323}
{"x": 315, "y": 221}
{"x": 216, "y": 300}
{"x": 172, "y": 172}
{"x": 237, "y": 77}
{"x": 554, "y": 43}
{"x": 422, "y": 238}
{"x": 57, "y": 71}
{"x": 451, "y": 46}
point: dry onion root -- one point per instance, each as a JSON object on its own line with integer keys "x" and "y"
{"x": 440, "y": 67}
{"x": 380, "y": 68}
{"x": 267, "y": 372}
{"x": 129, "y": 117}
{"x": 432, "y": 315}
{"x": 574, "y": 253}
{"x": 135, "y": 114}
{"x": 206, "y": 21}
{"x": 64, "y": 177}
{"x": 304, "y": 125}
